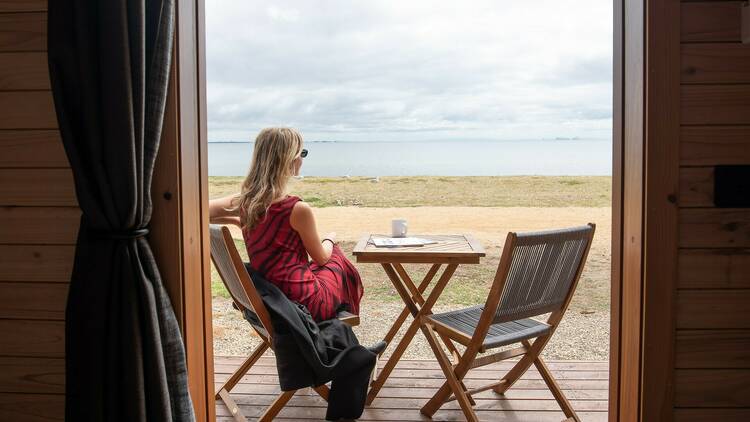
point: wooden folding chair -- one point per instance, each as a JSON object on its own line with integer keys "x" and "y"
{"x": 237, "y": 281}
{"x": 537, "y": 274}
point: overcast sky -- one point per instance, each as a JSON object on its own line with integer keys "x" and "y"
{"x": 410, "y": 69}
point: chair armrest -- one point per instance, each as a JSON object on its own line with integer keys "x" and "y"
{"x": 348, "y": 318}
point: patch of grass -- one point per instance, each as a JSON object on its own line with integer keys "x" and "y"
{"x": 217, "y": 286}
{"x": 316, "y": 201}
{"x": 501, "y": 191}
{"x": 571, "y": 182}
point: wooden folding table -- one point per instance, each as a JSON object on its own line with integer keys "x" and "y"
{"x": 450, "y": 250}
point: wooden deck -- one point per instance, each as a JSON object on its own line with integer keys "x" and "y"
{"x": 414, "y": 381}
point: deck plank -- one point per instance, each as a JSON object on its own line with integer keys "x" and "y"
{"x": 413, "y": 382}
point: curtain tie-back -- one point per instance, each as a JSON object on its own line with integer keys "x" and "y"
{"x": 119, "y": 234}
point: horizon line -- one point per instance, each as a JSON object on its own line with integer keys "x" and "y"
{"x": 559, "y": 139}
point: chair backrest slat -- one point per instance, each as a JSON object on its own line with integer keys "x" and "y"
{"x": 223, "y": 263}
{"x": 232, "y": 271}
{"x": 543, "y": 268}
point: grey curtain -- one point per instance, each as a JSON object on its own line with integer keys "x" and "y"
{"x": 109, "y": 68}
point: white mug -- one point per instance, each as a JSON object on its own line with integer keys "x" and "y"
{"x": 398, "y": 227}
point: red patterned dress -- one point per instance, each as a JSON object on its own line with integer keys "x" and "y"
{"x": 277, "y": 252}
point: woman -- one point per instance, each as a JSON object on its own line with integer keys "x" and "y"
{"x": 280, "y": 231}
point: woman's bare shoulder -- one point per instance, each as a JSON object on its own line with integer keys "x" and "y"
{"x": 301, "y": 208}
{"x": 301, "y": 215}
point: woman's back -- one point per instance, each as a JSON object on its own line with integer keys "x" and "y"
{"x": 274, "y": 247}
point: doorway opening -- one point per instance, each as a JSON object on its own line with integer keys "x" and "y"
{"x": 444, "y": 143}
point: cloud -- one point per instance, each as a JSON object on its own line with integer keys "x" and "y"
{"x": 283, "y": 15}
{"x": 410, "y": 70}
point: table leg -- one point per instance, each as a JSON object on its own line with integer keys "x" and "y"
{"x": 415, "y": 324}
{"x": 417, "y": 296}
{"x": 405, "y": 312}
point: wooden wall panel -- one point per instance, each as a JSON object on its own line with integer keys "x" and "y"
{"x": 23, "y": 32}
{"x": 32, "y": 407}
{"x": 37, "y": 187}
{"x": 712, "y": 349}
{"x": 36, "y": 239}
{"x": 33, "y": 301}
{"x": 717, "y": 21}
{"x": 715, "y": 63}
{"x": 32, "y": 338}
{"x": 27, "y": 110}
{"x": 24, "y": 71}
{"x": 704, "y": 415}
{"x": 39, "y": 225}
{"x": 32, "y": 375}
{"x": 32, "y": 148}
{"x": 713, "y": 324}
{"x": 36, "y": 263}
{"x": 714, "y": 228}
{"x": 714, "y": 269}
{"x": 712, "y": 387}
{"x": 711, "y": 309}
{"x": 714, "y": 145}
{"x": 715, "y": 105}
{"x": 23, "y": 6}
{"x": 696, "y": 187}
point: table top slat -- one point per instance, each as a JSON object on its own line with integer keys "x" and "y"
{"x": 455, "y": 248}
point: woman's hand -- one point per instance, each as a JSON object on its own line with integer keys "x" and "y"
{"x": 329, "y": 241}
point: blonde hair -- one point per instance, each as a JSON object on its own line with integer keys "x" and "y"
{"x": 270, "y": 170}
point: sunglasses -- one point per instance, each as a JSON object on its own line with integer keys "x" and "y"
{"x": 303, "y": 153}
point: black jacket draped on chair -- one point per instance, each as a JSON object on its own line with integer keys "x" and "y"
{"x": 309, "y": 354}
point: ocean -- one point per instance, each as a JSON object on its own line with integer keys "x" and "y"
{"x": 432, "y": 158}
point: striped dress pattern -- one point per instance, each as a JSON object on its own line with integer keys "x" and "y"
{"x": 276, "y": 251}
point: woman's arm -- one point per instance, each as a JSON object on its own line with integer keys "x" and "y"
{"x": 234, "y": 220}
{"x": 219, "y": 213}
{"x": 303, "y": 221}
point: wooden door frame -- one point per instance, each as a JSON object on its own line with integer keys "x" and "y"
{"x": 644, "y": 213}
{"x": 180, "y": 239}
{"x": 646, "y": 126}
